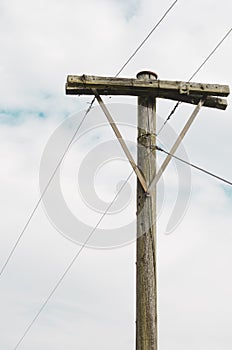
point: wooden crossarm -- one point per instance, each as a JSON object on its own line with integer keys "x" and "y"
{"x": 83, "y": 85}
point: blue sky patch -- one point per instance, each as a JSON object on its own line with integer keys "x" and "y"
{"x": 130, "y": 8}
{"x": 228, "y": 190}
{"x": 18, "y": 116}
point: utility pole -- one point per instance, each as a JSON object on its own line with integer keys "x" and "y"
{"x": 146, "y": 291}
{"x": 148, "y": 89}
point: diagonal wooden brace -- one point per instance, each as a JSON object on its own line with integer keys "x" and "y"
{"x": 121, "y": 141}
{"x": 175, "y": 146}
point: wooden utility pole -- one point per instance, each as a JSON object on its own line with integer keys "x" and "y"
{"x": 148, "y": 88}
{"x": 146, "y": 291}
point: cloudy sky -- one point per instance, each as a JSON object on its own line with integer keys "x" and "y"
{"x": 41, "y": 43}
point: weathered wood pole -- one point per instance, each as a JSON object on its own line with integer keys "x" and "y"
{"x": 146, "y": 292}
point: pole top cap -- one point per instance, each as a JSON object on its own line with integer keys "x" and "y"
{"x": 148, "y": 74}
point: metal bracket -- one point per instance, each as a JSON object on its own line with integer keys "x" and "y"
{"x": 147, "y": 139}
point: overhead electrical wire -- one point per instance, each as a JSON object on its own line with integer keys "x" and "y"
{"x": 194, "y": 166}
{"x": 44, "y": 191}
{"x": 193, "y": 75}
{"x": 71, "y": 263}
{"x": 66, "y": 150}
{"x": 211, "y": 54}
{"x": 147, "y": 37}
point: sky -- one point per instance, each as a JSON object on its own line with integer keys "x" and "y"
{"x": 41, "y": 43}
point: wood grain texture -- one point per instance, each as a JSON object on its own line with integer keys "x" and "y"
{"x": 174, "y": 90}
{"x": 146, "y": 294}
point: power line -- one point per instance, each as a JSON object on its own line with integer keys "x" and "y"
{"x": 169, "y": 117}
{"x": 45, "y": 190}
{"x": 193, "y": 75}
{"x": 194, "y": 166}
{"x": 211, "y": 54}
{"x": 71, "y": 264}
{"x": 66, "y": 150}
{"x": 147, "y": 37}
